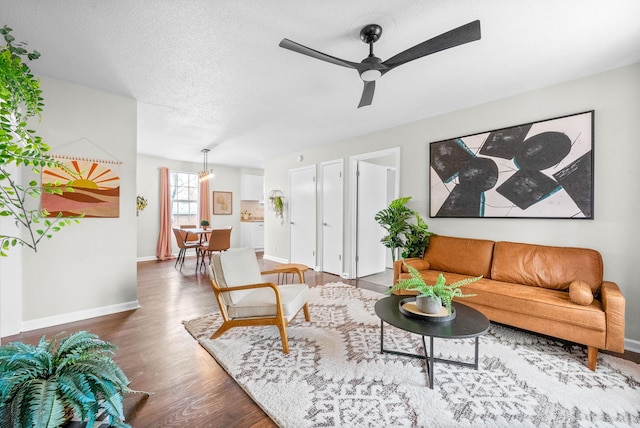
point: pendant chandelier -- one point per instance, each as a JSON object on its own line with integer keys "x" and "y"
{"x": 206, "y": 173}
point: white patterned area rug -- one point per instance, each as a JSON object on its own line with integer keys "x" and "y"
{"x": 335, "y": 375}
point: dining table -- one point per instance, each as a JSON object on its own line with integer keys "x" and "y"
{"x": 202, "y": 233}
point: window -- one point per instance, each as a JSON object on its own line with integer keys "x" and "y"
{"x": 184, "y": 198}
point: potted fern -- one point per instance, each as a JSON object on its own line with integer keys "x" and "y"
{"x": 40, "y": 386}
{"x": 431, "y": 298}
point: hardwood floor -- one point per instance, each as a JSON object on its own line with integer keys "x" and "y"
{"x": 158, "y": 355}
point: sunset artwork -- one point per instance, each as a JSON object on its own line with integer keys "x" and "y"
{"x": 96, "y": 189}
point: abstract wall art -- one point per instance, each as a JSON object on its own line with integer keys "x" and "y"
{"x": 541, "y": 169}
{"x": 95, "y": 183}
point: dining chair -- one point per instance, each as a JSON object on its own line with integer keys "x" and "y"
{"x": 219, "y": 240}
{"x": 184, "y": 246}
{"x": 191, "y": 237}
{"x": 245, "y": 299}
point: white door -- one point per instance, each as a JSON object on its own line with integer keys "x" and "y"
{"x": 372, "y": 197}
{"x": 332, "y": 214}
{"x": 302, "y": 215}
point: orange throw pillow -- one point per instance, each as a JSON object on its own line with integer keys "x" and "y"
{"x": 580, "y": 293}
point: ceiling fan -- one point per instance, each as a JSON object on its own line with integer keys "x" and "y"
{"x": 372, "y": 67}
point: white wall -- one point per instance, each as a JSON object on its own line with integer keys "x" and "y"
{"x": 615, "y": 97}
{"x": 10, "y": 276}
{"x": 88, "y": 269}
{"x": 226, "y": 179}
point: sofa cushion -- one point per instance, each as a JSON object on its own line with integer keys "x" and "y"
{"x": 538, "y": 302}
{"x": 418, "y": 264}
{"x": 543, "y": 303}
{"x": 460, "y": 255}
{"x": 580, "y": 293}
{"x": 261, "y": 302}
{"x": 546, "y": 266}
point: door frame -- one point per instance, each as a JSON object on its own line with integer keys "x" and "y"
{"x": 353, "y": 198}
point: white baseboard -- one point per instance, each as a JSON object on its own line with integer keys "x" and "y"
{"x": 274, "y": 259}
{"x": 78, "y": 316}
{"x": 632, "y": 345}
{"x": 155, "y": 259}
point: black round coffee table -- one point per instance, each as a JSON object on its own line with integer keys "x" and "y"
{"x": 468, "y": 323}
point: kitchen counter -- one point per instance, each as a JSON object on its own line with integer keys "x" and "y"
{"x": 252, "y": 220}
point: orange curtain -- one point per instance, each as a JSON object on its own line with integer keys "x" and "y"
{"x": 163, "y": 250}
{"x": 203, "y": 207}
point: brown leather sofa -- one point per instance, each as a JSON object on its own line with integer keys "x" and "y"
{"x": 555, "y": 291}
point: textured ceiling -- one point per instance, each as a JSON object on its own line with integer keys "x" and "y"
{"x": 210, "y": 73}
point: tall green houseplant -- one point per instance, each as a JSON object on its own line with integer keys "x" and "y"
{"x": 394, "y": 220}
{"x": 412, "y": 238}
{"x": 21, "y": 99}
{"x": 416, "y": 238}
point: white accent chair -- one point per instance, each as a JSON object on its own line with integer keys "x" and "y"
{"x": 246, "y": 300}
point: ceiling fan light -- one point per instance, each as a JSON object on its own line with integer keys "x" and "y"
{"x": 370, "y": 75}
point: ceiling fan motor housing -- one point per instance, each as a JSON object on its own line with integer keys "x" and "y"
{"x": 373, "y": 70}
{"x": 371, "y": 33}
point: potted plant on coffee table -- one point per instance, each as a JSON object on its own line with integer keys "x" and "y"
{"x": 43, "y": 385}
{"x": 431, "y": 298}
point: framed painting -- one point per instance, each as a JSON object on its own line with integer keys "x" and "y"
{"x": 95, "y": 188}
{"x": 222, "y": 202}
{"x": 541, "y": 169}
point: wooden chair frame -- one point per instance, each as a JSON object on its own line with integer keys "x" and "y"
{"x": 278, "y": 320}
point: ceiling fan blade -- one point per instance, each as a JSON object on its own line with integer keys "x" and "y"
{"x": 458, "y": 36}
{"x": 367, "y": 93}
{"x": 297, "y": 47}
